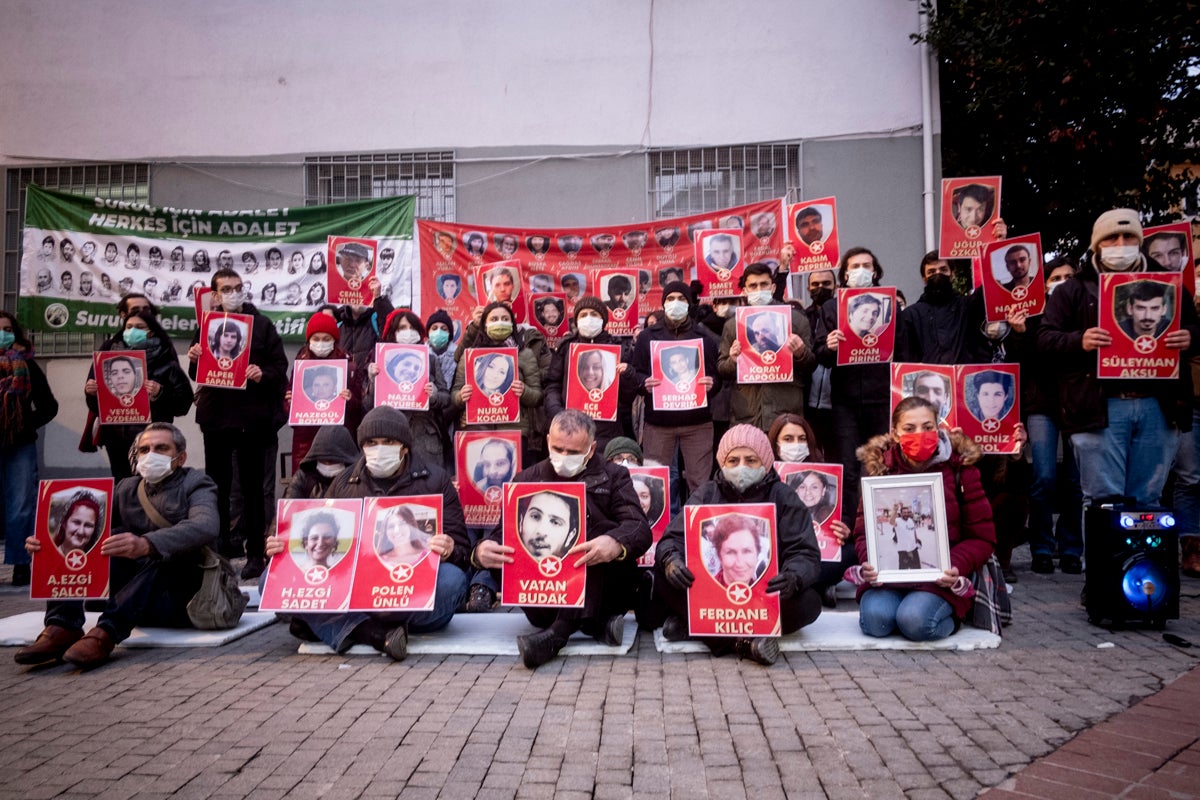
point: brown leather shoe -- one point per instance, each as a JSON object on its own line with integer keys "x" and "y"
{"x": 50, "y": 645}
{"x": 92, "y": 650}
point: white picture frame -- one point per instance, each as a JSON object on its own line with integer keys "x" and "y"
{"x": 890, "y": 544}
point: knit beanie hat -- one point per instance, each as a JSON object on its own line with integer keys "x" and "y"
{"x": 385, "y": 422}
{"x": 746, "y": 436}
{"x": 440, "y": 316}
{"x": 681, "y": 287}
{"x": 321, "y": 323}
{"x": 623, "y": 444}
{"x": 594, "y": 303}
{"x": 1113, "y": 222}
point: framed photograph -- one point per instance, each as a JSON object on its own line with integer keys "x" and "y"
{"x": 907, "y": 537}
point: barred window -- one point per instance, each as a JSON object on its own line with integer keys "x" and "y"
{"x": 130, "y": 182}
{"x": 704, "y": 179}
{"x": 429, "y": 177}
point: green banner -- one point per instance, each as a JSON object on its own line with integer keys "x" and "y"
{"x": 81, "y": 254}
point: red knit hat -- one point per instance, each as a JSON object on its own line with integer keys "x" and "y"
{"x": 321, "y": 323}
{"x": 746, "y": 436}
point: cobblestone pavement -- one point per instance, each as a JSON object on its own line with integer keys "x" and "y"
{"x": 254, "y": 719}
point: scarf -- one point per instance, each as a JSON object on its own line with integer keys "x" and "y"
{"x": 14, "y": 391}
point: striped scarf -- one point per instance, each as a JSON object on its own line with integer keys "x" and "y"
{"x": 14, "y": 389}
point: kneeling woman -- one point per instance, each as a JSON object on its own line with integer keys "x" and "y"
{"x": 925, "y": 611}
{"x": 747, "y": 475}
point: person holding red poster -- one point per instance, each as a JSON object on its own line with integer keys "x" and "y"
{"x": 758, "y": 404}
{"x": 321, "y": 342}
{"x": 388, "y": 467}
{"x": 165, "y": 517}
{"x": 617, "y": 535}
{"x": 746, "y": 475}
{"x": 924, "y": 612}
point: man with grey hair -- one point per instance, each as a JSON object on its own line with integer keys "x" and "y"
{"x": 617, "y": 534}
{"x": 164, "y": 516}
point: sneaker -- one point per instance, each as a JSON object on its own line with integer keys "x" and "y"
{"x": 299, "y": 629}
{"x": 1071, "y": 565}
{"x": 1043, "y": 564}
{"x": 255, "y": 566}
{"x": 761, "y": 649}
{"x": 1010, "y": 576}
{"x": 829, "y": 597}
{"x": 481, "y": 599}
{"x": 538, "y": 648}
{"x": 395, "y": 644}
{"x": 675, "y": 629}
{"x": 21, "y": 575}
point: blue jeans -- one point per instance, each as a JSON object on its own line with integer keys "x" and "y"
{"x": 19, "y": 474}
{"x": 335, "y": 629}
{"x": 1129, "y": 458}
{"x": 1043, "y": 441}
{"x": 1187, "y": 480}
{"x": 920, "y": 616}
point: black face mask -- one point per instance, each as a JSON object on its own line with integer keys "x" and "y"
{"x": 821, "y": 296}
{"x": 940, "y": 286}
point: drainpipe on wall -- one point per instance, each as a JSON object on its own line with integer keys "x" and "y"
{"x": 927, "y": 78}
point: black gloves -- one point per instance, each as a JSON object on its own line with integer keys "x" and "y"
{"x": 786, "y": 583}
{"x": 678, "y": 575}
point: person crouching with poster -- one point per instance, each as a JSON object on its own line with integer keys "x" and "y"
{"x": 617, "y": 535}
{"x": 746, "y": 475}
{"x": 924, "y": 612}
{"x": 164, "y": 517}
{"x": 388, "y": 467}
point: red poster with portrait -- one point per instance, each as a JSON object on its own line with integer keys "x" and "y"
{"x": 1012, "y": 277}
{"x": 542, "y": 522}
{"x": 403, "y": 377}
{"x": 762, "y": 335}
{"x": 970, "y": 207}
{"x": 1168, "y": 248}
{"x": 731, "y": 551}
{"x": 618, "y": 289}
{"x": 490, "y": 372}
{"x": 988, "y": 397}
{"x": 500, "y": 282}
{"x": 653, "y": 488}
{"x": 72, "y": 523}
{"x": 484, "y": 462}
{"x": 395, "y": 569}
{"x": 316, "y": 571}
{"x": 819, "y": 487}
{"x": 224, "y": 349}
{"x": 679, "y": 366}
{"x": 867, "y": 318}
{"x": 813, "y": 231}
{"x": 1139, "y": 311}
{"x": 592, "y": 379}
{"x": 932, "y": 382}
{"x": 121, "y": 391}
{"x": 351, "y": 267}
{"x": 551, "y": 316}
{"x": 719, "y": 263}
{"x": 317, "y": 386}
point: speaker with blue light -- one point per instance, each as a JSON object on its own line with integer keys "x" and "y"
{"x": 1132, "y": 565}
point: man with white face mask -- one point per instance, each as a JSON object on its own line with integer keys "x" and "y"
{"x": 155, "y": 566}
{"x": 617, "y": 535}
{"x": 1124, "y": 432}
{"x": 758, "y": 404}
{"x": 388, "y": 467}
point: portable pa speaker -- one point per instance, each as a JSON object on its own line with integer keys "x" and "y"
{"x": 1132, "y": 566}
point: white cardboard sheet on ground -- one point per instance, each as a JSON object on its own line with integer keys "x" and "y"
{"x": 493, "y": 634}
{"x": 22, "y": 629}
{"x": 838, "y": 630}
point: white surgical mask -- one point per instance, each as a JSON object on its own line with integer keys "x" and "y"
{"x": 320, "y": 349}
{"x": 232, "y": 302}
{"x": 568, "y": 466}
{"x": 859, "y": 277}
{"x": 330, "y": 470}
{"x": 743, "y": 478}
{"x": 1050, "y": 287}
{"x": 154, "y": 467}
{"x": 1120, "y": 258}
{"x": 761, "y": 298}
{"x": 590, "y": 327}
{"x": 407, "y": 336}
{"x": 383, "y": 459}
{"x": 676, "y": 310}
{"x": 792, "y": 452}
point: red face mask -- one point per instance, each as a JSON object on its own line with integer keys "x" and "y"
{"x": 919, "y": 446}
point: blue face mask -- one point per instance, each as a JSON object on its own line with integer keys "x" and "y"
{"x": 7, "y": 338}
{"x": 439, "y": 338}
{"x": 134, "y": 337}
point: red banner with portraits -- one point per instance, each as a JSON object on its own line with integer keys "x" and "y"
{"x": 762, "y": 335}
{"x": 490, "y": 372}
{"x": 970, "y": 207}
{"x": 989, "y": 405}
{"x": 819, "y": 487}
{"x": 121, "y": 391}
{"x": 317, "y": 386}
{"x": 931, "y": 382}
{"x": 484, "y": 462}
{"x": 592, "y": 379}
{"x": 72, "y": 523}
{"x": 551, "y": 315}
{"x": 719, "y": 262}
{"x": 679, "y": 367}
{"x": 351, "y": 267}
{"x": 731, "y": 549}
{"x": 316, "y": 571}
{"x": 542, "y": 522}
{"x": 813, "y": 231}
{"x": 867, "y": 318}
{"x": 403, "y": 378}
{"x": 1012, "y": 277}
{"x": 395, "y": 570}
{"x": 653, "y": 488}
{"x": 617, "y": 288}
{"x": 224, "y": 349}
{"x": 1139, "y": 310}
